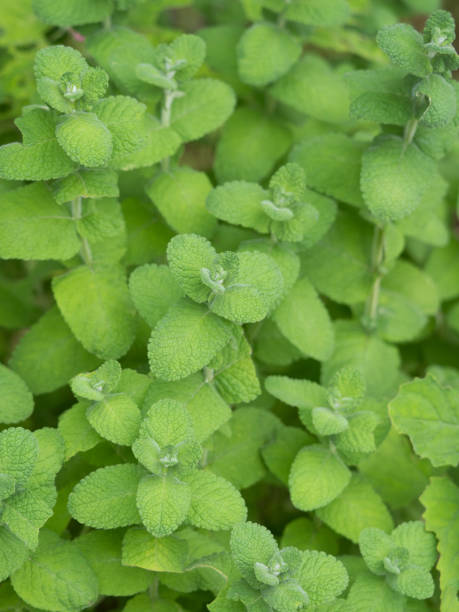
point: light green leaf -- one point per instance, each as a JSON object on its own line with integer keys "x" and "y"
{"x": 313, "y": 88}
{"x": 429, "y": 414}
{"x": 395, "y": 456}
{"x": 235, "y": 455}
{"x": 142, "y": 603}
{"x": 205, "y": 405}
{"x": 180, "y": 196}
{"x": 57, "y": 577}
{"x": 16, "y": 401}
{"x": 376, "y": 360}
{"x": 163, "y": 503}
{"x": 265, "y": 53}
{"x": 281, "y": 452}
{"x": 326, "y": 13}
{"x": 249, "y": 146}
{"x": 105, "y": 499}
{"x": 357, "y": 508}
{"x": 141, "y": 549}
{"x": 317, "y": 477}
{"x": 348, "y": 240}
{"x": 286, "y": 259}
{"x": 304, "y": 321}
{"x": 153, "y": 290}
{"x": 85, "y": 139}
{"x": 254, "y": 290}
{"x": 441, "y": 502}
{"x": 442, "y": 265}
{"x": 107, "y": 329}
{"x": 239, "y": 202}
{"x": 185, "y": 340}
{"x": 233, "y": 371}
{"x": 159, "y": 143}
{"x": 72, "y": 12}
{"x": 115, "y": 418}
{"x": 442, "y": 101}
{"x": 322, "y": 577}
{"x": 124, "y": 118}
{"x": 332, "y": 164}
{"x": 18, "y": 453}
{"x": 420, "y": 544}
{"x": 13, "y": 553}
{"x": 87, "y": 183}
{"x": 305, "y": 534}
{"x": 40, "y": 158}
{"x": 33, "y": 226}
{"x": 405, "y": 48}
{"x": 165, "y": 442}
{"x": 95, "y": 385}
{"x": 206, "y": 105}
{"x": 50, "y": 457}
{"x": 394, "y": 178}
{"x": 48, "y": 354}
{"x": 187, "y": 255}
{"x": 251, "y": 543}
{"x": 300, "y": 393}
{"x": 102, "y": 550}
{"x": 215, "y": 503}
{"x": 76, "y": 431}
{"x": 373, "y": 593}
{"x": 24, "y": 513}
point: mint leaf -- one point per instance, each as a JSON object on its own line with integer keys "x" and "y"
{"x": 40, "y": 157}
{"x": 56, "y": 577}
{"x": 85, "y": 139}
{"x": 187, "y": 190}
{"x": 72, "y": 12}
{"x": 48, "y": 355}
{"x": 317, "y": 477}
{"x": 166, "y": 554}
{"x": 16, "y": 402}
{"x": 146, "y": 286}
{"x": 205, "y": 106}
{"x": 102, "y": 549}
{"x": 357, "y": 508}
{"x": 441, "y": 501}
{"x": 185, "y": 340}
{"x": 249, "y": 146}
{"x": 105, "y": 499}
{"x": 427, "y": 413}
{"x": 76, "y": 431}
{"x": 394, "y": 178}
{"x": 265, "y": 53}
{"x": 405, "y": 48}
{"x": 304, "y": 321}
{"x": 109, "y": 331}
{"x": 239, "y": 202}
{"x": 33, "y": 226}
{"x": 163, "y": 503}
{"x": 115, "y": 418}
{"x": 332, "y": 165}
{"x": 215, "y": 503}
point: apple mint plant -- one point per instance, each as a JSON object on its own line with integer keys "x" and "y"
{"x": 229, "y": 306}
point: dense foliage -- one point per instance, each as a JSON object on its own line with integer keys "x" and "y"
{"x": 229, "y": 299}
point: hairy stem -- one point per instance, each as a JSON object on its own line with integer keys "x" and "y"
{"x": 86, "y": 253}
{"x": 371, "y": 309}
{"x": 409, "y": 133}
{"x": 169, "y": 96}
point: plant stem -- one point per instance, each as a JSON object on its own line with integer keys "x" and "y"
{"x": 410, "y": 131}
{"x": 371, "y": 309}
{"x": 86, "y": 253}
{"x": 169, "y": 96}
